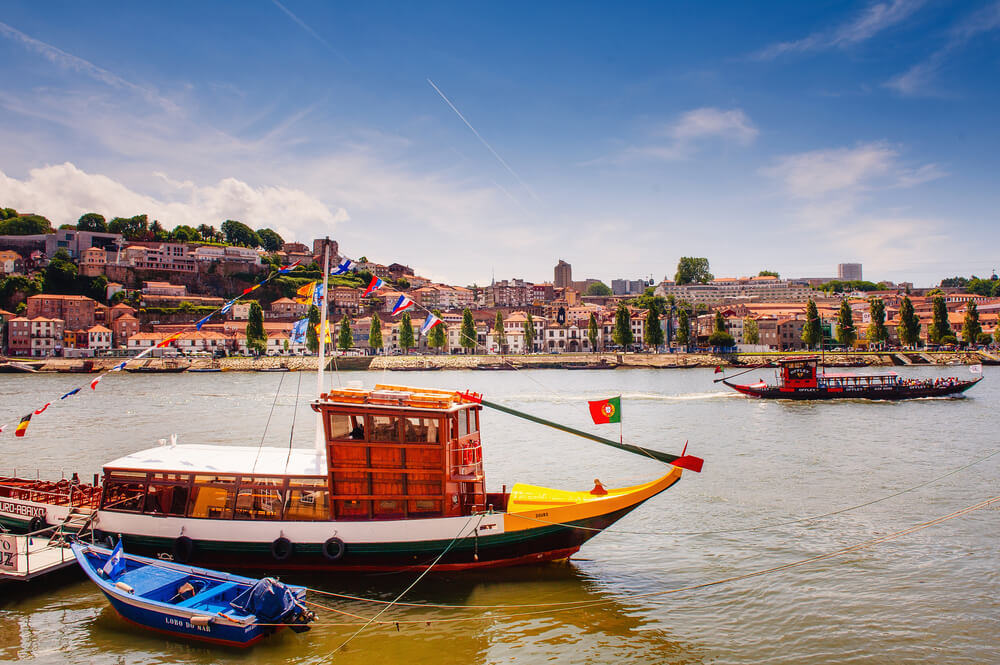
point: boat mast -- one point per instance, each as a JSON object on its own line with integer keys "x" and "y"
{"x": 320, "y": 436}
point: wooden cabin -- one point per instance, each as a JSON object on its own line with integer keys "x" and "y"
{"x": 397, "y": 453}
{"x": 798, "y": 372}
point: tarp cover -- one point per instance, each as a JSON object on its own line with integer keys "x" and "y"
{"x": 270, "y": 600}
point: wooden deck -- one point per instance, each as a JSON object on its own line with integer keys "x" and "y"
{"x": 24, "y": 558}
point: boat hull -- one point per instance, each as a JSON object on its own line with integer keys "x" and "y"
{"x": 888, "y": 392}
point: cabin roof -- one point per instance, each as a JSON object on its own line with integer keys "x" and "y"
{"x": 245, "y": 460}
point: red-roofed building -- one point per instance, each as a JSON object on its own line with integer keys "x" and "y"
{"x": 78, "y": 312}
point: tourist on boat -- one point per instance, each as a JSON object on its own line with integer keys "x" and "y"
{"x": 358, "y": 432}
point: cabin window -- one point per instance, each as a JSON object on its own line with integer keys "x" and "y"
{"x": 308, "y": 500}
{"x": 385, "y": 429}
{"x": 463, "y": 423}
{"x": 212, "y": 497}
{"x": 259, "y": 499}
{"x": 125, "y": 494}
{"x": 343, "y": 426}
{"x": 167, "y": 499}
{"x": 420, "y": 430}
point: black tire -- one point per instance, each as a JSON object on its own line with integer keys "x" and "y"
{"x": 36, "y": 524}
{"x": 333, "y": 548}
{"x": 183, "y": 549}
{"x": 282, "y": 549}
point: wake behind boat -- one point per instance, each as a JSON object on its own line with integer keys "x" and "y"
{"x": 799, "y": 378}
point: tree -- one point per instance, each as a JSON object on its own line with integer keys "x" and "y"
{"x": 909, "y": 323}
{"x": 375, "y": 333}
{"x": 270, "y": 240}
{"x": 7, "y": 213}
{"x": 751, "y": 333}
{"x": 971, "y": 329}
{"x": 345, "y": 339}
{"x": 92, "y": 222}
{"x": 768, "y": 273}
{"x": 436, "y": 338}
{"x": 25, "y": 225}
{"x": 256, "y": 337}
{"x": 312, "y": 337}
{"x": 877, "y": 332}
{"x": 498, "y": 333}
{"x": 683, "y": 328}
{"x": 812, "y": 331}
{"x": 846, "y": 334}
{"x": 98, "y": 288}
{"x": 719, "y": 336}
{"x": 692, "y": 270}
{"x": 653, "y": 335}
{"x": 622, "y": 334}
{"x": 132, "y": 228}
{"x": 238, "y": 233}
{"x": 597, "y": 289}
{"x": 529, "y": 333}
{"x": 940, "y": 328}
{"x": 60, "y": 274}
{"x": 209, "y": 233}
{"x": 467, "y": 336}
{"x": 184, "y": 233}
{"x": 592, "y": 331}
{"x": 157, "y": 231}
{"x": 406, "y": 341}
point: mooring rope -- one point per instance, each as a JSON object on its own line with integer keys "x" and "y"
{"x": 575, "y": 605}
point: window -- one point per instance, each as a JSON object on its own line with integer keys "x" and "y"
{"x": 124, "y": 492}
{"x": 259, "y": 499}
{"x": 212, "y": 497}
{"x": 308, "y": 500}
{"x": 463, "y": 423}
{"x": 385, "y": 428}
{"x": 421, "y": 430}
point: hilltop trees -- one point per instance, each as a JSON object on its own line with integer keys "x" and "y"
{"x": 238, "y": 233}
{"x": 406, "y": 341}
{"x": 598, "y": 289}
{"x": 940, "y": 328}
{"x": 23, "y": 225}
{"x": 877, "y": 332}
{"x": 812, "y": 331}
{"x": 270, "y": 240}
{"x": 846, "y": 334}
{"x": 91, "y": 221}
{"x": 909, "y": 323}
{"x": 692, "y": 270}
{"x": 256, "y": 337}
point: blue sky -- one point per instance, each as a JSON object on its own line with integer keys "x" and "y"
{"x": 470, "y": 138}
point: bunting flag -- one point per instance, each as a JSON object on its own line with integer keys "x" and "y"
{"x": 305, "y": 293}
{"x": 2, "y": 428}
{"x": 250, "y": 288}
{"x": 228, "y": 306}
{"x": 39, "y": 411}
{"x": 718, "y": 369}
{"x": 23, "y": 425}
{"x": 299, "y": 331}
{"x": 401, "y": 304}
{"x": 346, "y": 265}
{"x": 374, "y": 285}
{"x": 198, "y": 325}
{"x": 166, "y": 340}
{"x": 976, "y": 369}
{"x": 429, "y": 323}
{"x": 119, "y": 367}
{"x": 70, "y": 393}
{"x": 318, "y": 296}
{"x": 93, "y": 384}
{"x": 318, "y": 333}
{"x": 284, "y": 270}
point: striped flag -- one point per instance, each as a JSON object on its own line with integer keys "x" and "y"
{"x": 93, "y": 384}
{"x": 119, "y": 367}
{"x": 41, "y": 410}
{"x": 320, "y": 334}
{"x": 228, "y": 306}
{"x": 374, "y": 285}
{"x": 345, "y": 265}
{"x": 2, "y": 428}
{"x": 287, "y": 269}
{"x": 401, "y": 304}
{"x": 249, "y": 289}
{"x": 166, "y": 340}
{"x": 198, "y": 325}
{"x": 70, "y": 393}
{"x": 23, "y": 425}
{"x": 429, "y": 323}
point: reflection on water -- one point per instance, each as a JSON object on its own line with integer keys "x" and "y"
{"x": 768, "y": 463}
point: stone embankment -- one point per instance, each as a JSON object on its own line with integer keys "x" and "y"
{"x": 459, "y": 362}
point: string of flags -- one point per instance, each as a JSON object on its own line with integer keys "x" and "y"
{"x": 22, "y": 426}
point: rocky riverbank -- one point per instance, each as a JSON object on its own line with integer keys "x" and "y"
{"x": 554, "y": 361}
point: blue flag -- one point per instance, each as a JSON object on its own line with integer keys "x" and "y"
{"x": 343, "y": 267}
{"x": 228, "y": 306}
{"x": 72, "y": 392}
{"x": 299, "y": 331}
{"x": 115, "y": 566}
{"x": 198, "y": 325}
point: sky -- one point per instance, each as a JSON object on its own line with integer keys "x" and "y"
{"x": 481, "y": 140}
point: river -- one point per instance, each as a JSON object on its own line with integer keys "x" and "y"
{"x": 933, "y": 594}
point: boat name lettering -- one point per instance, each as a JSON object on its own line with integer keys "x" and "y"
{"x": 541, "y": 515}
{"x": 180, "y": 623}
{"x": 12, "y": 508}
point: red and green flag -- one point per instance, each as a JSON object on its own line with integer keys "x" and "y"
{"x": 606, "y": 410}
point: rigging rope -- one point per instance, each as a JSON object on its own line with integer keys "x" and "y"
{"x": 267, "y": 424}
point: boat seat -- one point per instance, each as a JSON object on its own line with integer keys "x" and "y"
{"x": 207, "y": 594}
{"x": 149, "y": 578}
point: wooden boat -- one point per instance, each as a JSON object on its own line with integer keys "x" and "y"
{"x": 398, "y": 481}
{"x": 193, "y": 603}
{"x": 799, "y": 379}
{"x": 29, "y": 504}
{"x": 205, "y": 369}
{"x": 12, "y": 367}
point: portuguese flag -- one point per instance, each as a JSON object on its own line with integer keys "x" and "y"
{"x": 606, "y": 410}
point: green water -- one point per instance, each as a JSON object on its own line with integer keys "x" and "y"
{"x": 930, "y": 595}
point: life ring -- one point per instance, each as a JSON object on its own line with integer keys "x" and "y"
{"x": 333, "y": 548}
{"x": 282, "y": 548}
{"x": 183, "y": 549}
{"x": 37, "y": 523}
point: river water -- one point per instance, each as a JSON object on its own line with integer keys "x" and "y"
{"x": 931, "y": 595}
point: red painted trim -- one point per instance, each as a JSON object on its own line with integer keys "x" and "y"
{"x": 212, "y": 640}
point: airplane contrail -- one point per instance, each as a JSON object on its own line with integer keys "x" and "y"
{"x": 308, "y": 29}
{"x": 482, "y": 140}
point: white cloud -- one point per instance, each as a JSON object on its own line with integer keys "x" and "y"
{"x": 846, "y": 171}
{"x": 684, "y": 135}
{"x": 63, "y": 192}
{"x": 873, "y": 20}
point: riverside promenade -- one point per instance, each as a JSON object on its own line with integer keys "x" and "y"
{"x": 533, "y": 361}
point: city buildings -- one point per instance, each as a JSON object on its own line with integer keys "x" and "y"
{"x": 849, "y": 272}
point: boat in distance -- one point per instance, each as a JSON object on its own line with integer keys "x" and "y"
{"x": 800, "y": 379}
{"x": 399, "y": 483}
{"x": 193, "y": 603}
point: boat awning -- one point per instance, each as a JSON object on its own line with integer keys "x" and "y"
{"x": 245, "y": 460}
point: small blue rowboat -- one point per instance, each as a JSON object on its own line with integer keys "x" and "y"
{"x": 191, "y": 602}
